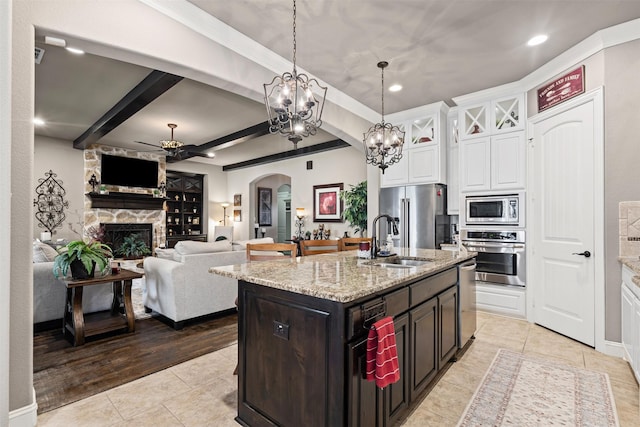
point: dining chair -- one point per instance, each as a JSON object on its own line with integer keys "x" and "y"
{"x": 315, "y": 247}
{"x": 352, "y": 243}
{"x": 270, "y": 251}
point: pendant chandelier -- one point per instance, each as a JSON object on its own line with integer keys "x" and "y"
{"x": 383, "y": 142}
{"x": 292, "y": 107}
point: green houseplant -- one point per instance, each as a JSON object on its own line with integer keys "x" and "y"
{"x": 133, "y": 247}
{"x": 82, "y": 258}
{"x": 355, "y": 211}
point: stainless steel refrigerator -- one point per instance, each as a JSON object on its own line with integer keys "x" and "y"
{"x": 421, "y": 211}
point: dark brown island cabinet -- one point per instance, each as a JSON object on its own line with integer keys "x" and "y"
{"x": 302, "y": 358}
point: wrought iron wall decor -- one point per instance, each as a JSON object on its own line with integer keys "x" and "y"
{"x": 50, "y": 203}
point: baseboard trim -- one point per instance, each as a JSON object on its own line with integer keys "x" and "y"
{"x": 612, "y": 348}
{"x": 27, "y": 416}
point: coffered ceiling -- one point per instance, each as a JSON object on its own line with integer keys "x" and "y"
{"x": 437, "y": 49}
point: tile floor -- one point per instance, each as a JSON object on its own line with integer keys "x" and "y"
{"x": 202, "y": 392}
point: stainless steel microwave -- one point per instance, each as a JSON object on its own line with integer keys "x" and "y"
{"x": 504, "y": 209}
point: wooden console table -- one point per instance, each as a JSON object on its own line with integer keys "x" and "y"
{"x": 74, "y": 318}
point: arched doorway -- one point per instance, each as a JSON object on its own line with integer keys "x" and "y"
{"x": 284, "y": 213}
{"x": 270, "y": 207}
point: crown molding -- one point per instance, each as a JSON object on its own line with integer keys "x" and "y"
{"x": 201, "y": 22}
{"x": 603, "y": 39}
{"x": 417, "y": 112}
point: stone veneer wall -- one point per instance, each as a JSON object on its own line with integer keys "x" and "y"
{"x": 93, "y": 217}
{"x": 629, "y": 220}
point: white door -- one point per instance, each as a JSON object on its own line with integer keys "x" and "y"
{"x": 562, "y": 196}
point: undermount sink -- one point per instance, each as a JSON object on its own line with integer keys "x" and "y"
{"x": 400, "y": 262}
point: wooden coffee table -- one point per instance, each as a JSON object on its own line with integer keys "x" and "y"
{"x": 98, "y": 323}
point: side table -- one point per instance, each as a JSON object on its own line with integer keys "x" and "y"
{"x": 74, "y": 319}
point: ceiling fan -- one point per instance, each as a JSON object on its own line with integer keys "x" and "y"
{"x": 174, "y": 149}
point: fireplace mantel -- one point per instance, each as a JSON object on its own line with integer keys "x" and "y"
{"x": 115, "y": 200}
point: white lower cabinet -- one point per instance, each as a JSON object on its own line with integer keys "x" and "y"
{"x": 631, "y": 321}
{"x": 501, "y": 299}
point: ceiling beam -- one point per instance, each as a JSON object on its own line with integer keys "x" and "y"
{"x": 304, "y": 151}
{"x": 230, "y": 140}
{"x": 238, "y": 137}
{"x": 151, "y": 87}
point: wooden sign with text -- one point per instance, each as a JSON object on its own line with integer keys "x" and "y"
{"x": 561, "y": 89}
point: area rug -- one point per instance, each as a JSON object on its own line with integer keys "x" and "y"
{"x": 136, "y": 299}
{"x": 522, "y": 390}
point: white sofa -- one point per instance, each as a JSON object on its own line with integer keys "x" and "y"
{"x": 49, "y": 292}
{"x": 182, "y": 288}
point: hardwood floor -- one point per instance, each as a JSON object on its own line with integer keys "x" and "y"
{"x": 64, "y": 374}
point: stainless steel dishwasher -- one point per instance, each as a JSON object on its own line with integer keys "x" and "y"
{"x": 467, "y": 303}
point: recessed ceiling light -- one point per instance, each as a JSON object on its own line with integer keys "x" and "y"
{"x": 38, "y": 121}
{"x": 395, "y": 88}
{"x": 75, "y": 50}
{"x": 536, "y": 40}
{"x": 211, "y": 154}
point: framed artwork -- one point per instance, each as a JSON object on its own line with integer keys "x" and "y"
{"x": 264, "y": 206}
{"x": 327, "y": 204}
{"x": 237, "y": 200}
{"x": 237, "y": 215}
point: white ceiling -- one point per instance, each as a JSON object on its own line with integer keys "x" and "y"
{"x": 437, "y": 49}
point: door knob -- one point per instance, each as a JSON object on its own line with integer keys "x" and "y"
{"x": 585, "y": 254}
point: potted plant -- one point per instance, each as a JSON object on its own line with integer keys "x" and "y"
{"x": 133, "y": 247}
{"x": 82, "y": 258}
{"x": 355, "y": 211}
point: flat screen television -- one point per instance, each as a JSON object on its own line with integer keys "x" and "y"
{"x": 129, "y": 172}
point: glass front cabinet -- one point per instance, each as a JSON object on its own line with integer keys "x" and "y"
{"x": 424, "y": 153}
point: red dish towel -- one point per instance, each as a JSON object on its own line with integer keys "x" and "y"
{"x": 382, "y": 354}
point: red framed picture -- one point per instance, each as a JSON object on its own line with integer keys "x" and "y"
{"x": 327, "y": 203}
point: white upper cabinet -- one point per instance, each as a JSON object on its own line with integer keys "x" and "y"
{"x": 453, "y": 166}
{"x": 508, "y": 161}
{"x": 473, "y": 121}
{"x": 475, "y": 165}
{"x": 507, "y": 114}
{"x": 424, "y": 152}
{"x": 493, "y": 163}
{"x": 425, "y": 131}
{"x": 492, "y": 145}
{"x": 492, "y": 117}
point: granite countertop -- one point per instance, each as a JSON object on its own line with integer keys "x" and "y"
{"x": 339, "y": 276}
{"x": 634, "y": 264}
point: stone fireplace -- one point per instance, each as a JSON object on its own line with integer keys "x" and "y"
{"x": 133, "y": 219}
{"x": 114, "y": 233}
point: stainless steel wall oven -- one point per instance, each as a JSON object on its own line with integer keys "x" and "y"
{"x": 501, "y": 255}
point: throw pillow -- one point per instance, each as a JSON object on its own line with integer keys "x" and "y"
{"x": 43, "y": 252}
{"x": 188, "y": 247}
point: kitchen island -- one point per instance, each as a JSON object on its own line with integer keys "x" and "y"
{"x": 302, "y": 328}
